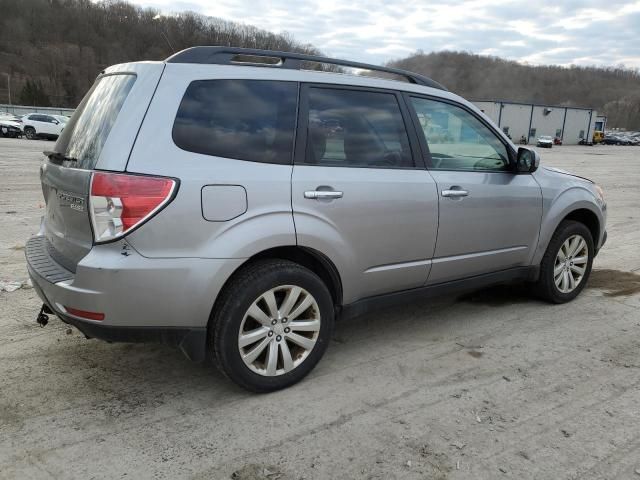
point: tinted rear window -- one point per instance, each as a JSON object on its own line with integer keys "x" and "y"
{"x": 242, "y": 119}
{"x": 84, "y": 135}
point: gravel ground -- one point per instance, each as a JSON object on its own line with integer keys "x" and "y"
{"x": 489, "y": 385}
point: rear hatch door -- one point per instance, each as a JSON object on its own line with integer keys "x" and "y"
{"x": 99, "y": 136}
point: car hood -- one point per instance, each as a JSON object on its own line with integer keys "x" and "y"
{"x": 9, "y": 123}
{"x": 564, "y": 172}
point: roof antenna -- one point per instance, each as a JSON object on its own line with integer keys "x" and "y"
{"x": 158, "y": 17}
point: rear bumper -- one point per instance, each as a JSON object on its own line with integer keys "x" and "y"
{"x": 143, "y": 299}
{"x": 191, "y": 341}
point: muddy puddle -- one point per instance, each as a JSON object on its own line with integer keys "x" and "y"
{"x": 615, "y": 283}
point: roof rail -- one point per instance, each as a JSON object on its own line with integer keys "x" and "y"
{"x": 227, "y": 56}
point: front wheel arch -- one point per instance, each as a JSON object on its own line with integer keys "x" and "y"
{"x": 588, "y": 219}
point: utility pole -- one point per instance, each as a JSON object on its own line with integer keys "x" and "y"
{"x": 9, "y": 86}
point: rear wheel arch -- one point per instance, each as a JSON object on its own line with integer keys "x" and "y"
{"x": 309, "y": 258}
{"x": 312, "y": 259}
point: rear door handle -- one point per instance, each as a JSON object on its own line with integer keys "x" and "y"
{"x": 454, "y": 193}
{"x": 318, "y": 194}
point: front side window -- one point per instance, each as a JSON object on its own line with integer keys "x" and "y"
{"x": 355, "y": 128}
{"x": 457, "y": 140}
{"x": 242, "y": 119}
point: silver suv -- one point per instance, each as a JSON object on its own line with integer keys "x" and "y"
{"x": 235, "y": 203}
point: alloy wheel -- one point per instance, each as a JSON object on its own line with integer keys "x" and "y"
{"x": 279, "y": 330}
{"x": 571, "y": 263}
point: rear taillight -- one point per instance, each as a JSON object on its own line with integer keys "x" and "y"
{"x": 85, "y": 314}
{"x": 121, "y": 202}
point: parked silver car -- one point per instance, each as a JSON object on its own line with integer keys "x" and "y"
{"x": 236, "y": 210}
{"x": 544, "y": 141}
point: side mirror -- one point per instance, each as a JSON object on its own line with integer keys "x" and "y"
{"x": 527, "y": 160}
{"x": 56, "y": 122}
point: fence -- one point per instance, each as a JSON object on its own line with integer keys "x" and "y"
{"x": 20, "y": 110}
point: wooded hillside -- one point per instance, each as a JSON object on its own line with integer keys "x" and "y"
{"x": 53, "y": 50}
{"x": 612, "y": 91}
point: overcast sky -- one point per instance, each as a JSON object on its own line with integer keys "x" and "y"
{"x": 583, "y": 32}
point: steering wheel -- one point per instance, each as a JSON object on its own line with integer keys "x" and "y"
{"x": 488, "y": 164}
{"x": 437, "y": 159}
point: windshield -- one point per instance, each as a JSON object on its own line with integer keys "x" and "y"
{"x": 545, "y": 138}
{"x": 87, "y": 130}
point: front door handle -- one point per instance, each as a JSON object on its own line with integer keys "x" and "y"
{"x": 454, "y": 193}
{"x": 319, "y": 194}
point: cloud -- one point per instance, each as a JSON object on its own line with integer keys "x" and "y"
{"x": 546, "y": 32}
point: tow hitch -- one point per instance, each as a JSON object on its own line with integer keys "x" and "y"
{"x": 42, "y": 317}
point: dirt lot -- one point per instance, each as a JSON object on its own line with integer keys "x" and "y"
{"x": 491, "y": 385}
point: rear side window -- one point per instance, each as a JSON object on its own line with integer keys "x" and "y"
{"x": 243, "y": 119}
{"x": 354, "y": 128}
{"x": 84, "y": 135}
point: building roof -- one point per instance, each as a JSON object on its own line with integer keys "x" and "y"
{"x": 510, "y": 102}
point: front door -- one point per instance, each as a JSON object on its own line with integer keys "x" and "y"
{"x": 359, "y": 192}
{"x": 489, "y": 216}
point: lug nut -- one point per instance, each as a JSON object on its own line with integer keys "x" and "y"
{"x": 284, "y": 320}
{"x": 270, "y": 334}
{"x": 287, "y": 330}
{"x": 278, "y": 338}
{"x": 274, "y": 321}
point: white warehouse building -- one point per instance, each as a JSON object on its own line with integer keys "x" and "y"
{"x": 570, "y": 124}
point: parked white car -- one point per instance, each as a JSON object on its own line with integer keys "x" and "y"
{"x": 37, "y": 125}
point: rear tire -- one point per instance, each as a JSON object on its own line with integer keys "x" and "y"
{"x": 566, "y": 265}
{"x": 30, "y": 133}
{"x": 278, "y": 308}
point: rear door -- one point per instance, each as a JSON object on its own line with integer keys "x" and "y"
{"x": 360, "y": 193}
{"x": 45, "y": 125}
{"x": 38, "y": 123}
{"x": 489, "y": 215}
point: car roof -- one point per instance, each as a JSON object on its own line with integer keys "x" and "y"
{"x": 220, "y": 55}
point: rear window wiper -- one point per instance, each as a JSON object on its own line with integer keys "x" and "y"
{"x": 60, "y": 157}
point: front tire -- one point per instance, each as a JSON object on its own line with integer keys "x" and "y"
{"x": 30, "y": 133}
{"x": 271, "y": 325}
{"x": 566, "y": 265}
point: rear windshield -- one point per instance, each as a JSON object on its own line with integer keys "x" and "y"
{"x": 84, "y": 135}
{"x": 242, "y": 119}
